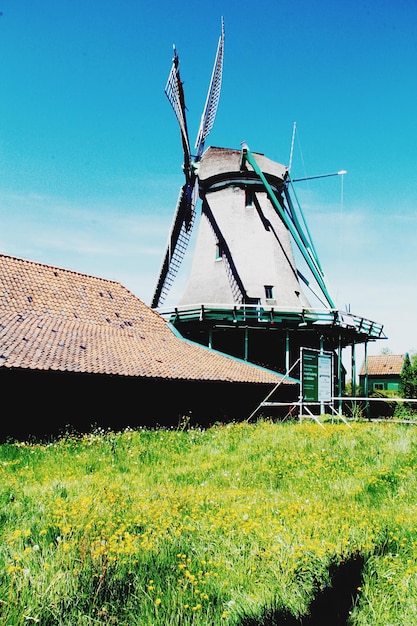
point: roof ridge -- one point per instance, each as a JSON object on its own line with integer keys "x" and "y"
{"x": 386, "y": 356}
{"x": 62, "y": 269}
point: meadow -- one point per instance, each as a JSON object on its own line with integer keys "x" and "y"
{"x": 236, "y": 525}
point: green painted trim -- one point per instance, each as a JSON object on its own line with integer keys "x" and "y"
{"x": 297, "y": 236}
{"x": 308, "y": 240}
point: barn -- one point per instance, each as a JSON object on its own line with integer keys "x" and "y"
{"x": 78, "y": 351}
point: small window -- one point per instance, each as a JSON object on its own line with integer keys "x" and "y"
{"x": 379, "y": 386}
{"x": 249, "y": 197}
{"x": 269, "y": 292}
{"x": 219, "y": 251}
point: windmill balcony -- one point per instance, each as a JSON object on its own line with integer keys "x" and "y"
{"x": 263, "y": 314}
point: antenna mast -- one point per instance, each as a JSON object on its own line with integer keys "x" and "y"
{"x": 292, "y": 146}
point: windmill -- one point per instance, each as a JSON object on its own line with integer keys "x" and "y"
{"x": 246, "y": 293}
{"x": 241, "y": 282}
{"x": 185, "y": 210}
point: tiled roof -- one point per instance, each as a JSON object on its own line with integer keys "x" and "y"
{"x": 56, "y": 319}
{"x": 384, "y": 365}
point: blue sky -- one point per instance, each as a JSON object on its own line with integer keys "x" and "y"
{"x": 90, "y": 152}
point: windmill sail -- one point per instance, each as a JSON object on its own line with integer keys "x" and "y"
{"x": 175, "y": 94}
{"x": 213, "y": 96}
{"x": 178, "y": 239}
{"x": 184, "y": 213}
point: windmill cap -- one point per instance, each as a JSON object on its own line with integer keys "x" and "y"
{"x": 221, "y": 161}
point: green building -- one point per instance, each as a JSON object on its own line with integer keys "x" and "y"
{"x": 383, "y": 372}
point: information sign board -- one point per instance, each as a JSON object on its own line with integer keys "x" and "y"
{"x": 325, "y": 377}
{"x": 309, "y": 376}
{"x": 316, "y": 376}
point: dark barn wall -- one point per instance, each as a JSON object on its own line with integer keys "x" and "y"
{"x": 47, "y": 403}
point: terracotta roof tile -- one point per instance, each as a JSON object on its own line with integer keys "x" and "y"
{"x": 384, "y": 365}
{"x": 57, "y": 319}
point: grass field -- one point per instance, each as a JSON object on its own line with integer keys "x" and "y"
{"x": 238, "y": 525}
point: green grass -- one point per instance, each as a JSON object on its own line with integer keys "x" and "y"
{"x": 210, "y": 527}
